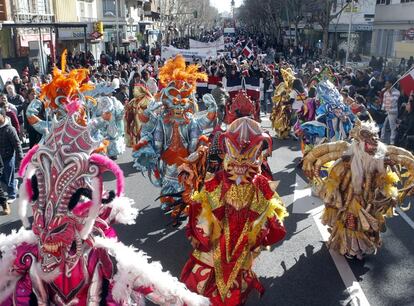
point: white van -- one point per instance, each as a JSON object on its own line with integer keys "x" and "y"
{"x": 7, "y": 75}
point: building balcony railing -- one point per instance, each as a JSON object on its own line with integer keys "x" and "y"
{"x": 30, "y": 17}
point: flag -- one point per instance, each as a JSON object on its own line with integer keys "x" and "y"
{"x": 407, "y": 82}
{"x": 252, "y": 86}
{"x": 202, "y": 89}
{"x": 213, "y": 81}
{"x": 232, "y": 85}
{"x": 247, "y": 52}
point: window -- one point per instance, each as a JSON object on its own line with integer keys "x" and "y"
{"x": 406, "y": 1}
{"x": 109, "y": 7}
{"x": 386, "y": 2}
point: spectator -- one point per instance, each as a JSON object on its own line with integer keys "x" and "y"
{"x": 410, "y": 62}
{"x": 268, "y": 88}
{"x": 122, "y": 95}
{"x": 390, "y": 105}
{"x": 16, "y": 99}
{"x": 221, "y": 96}
{"x": 11, "y": 153}
{"x": 17, "y": 82}
{"x": 9, "y": 113}
{"x": 3, "y": 197}
{"x": 406, "y": 127}
{"x": 150, "y": 82}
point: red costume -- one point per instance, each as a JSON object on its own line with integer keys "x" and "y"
{"x": 235, "y": 214}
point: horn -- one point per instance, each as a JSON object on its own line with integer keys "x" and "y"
{"x": 109, "y": 165}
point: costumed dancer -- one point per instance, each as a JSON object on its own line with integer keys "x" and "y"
{"x": 307, "y": 113}
{"x": 70, "y": 254}
{"x": 172, "y": 134}
{"x": 112, "y": 126}
{"x": 333, "y": 121}
{"x": 361, "y": 187}
{"x": 134, "y": 114}
{"x": 208, "y": 158}
{"x": 282, "y": 110}
{"x": 231, "y": 218}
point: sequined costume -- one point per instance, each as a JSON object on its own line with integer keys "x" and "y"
{"x": 282, "y": 111}
{"x": 231, "y": 218}
{"x": 134, "y": 114}
{"x": 333, "y": 119}
{"x": 37, "y": 117}
{"x": 173, "y": 128}
{"x": 111, "y": 129}
{"x": 70, "y": 255}
{"x": 361, "y": 188}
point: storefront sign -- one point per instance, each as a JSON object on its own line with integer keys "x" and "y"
{"x": 75, "y": 33}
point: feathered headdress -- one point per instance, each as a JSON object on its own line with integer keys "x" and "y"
{"x": 65, "y": 85}
{"x": 175, "y": 70}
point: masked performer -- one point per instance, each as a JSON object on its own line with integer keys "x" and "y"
{"x": 361, "y": 187}
{"x": 172, "y": 134}
{"x": 70, "y": 256}
{"x": 333, "y": 119}
{"x": 282, "y": 110}
{"x": 134, "y": 114}
{"x": 231, "y": 218}
{"x": 112, "y": 127}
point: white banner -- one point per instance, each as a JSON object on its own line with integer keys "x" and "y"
{"x": 189, "y": 54}
{"x": 218, "y": 44}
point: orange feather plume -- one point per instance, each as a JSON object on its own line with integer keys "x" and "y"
{"x": 176, "y": 70}
{"x": 65, "y": 84}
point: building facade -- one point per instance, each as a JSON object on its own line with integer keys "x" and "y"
{"x": 32, "y": 46}
{"x": 360, "y": 16}
{"x": 393, "y": 34}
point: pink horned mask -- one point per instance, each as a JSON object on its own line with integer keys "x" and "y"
{"x": 63, "y": 184}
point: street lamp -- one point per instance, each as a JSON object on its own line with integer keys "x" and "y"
{"x": 116, "y": 15}
{"x": 350, "y": 2}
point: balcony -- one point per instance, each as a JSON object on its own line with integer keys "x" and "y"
{"x": 152, "y": 9}
{"x": 33, "y": 17}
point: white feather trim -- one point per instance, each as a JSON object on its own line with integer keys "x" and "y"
{"x": 134, "y": 271}
{"x": 122, "y": 210}
{"x": 24, "y": 197}
{"x": 8, "y": 244}
{"x": 94, "y": 210}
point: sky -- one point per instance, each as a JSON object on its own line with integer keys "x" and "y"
{"x": 224, "y": 5}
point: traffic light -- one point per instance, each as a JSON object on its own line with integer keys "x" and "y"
{"x": 99, "y": 27}
{"x": 195, "y": 13}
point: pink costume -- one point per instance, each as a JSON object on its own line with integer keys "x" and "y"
{"x": 71, "y": 256}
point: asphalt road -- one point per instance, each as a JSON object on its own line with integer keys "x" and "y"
{"x": 298, "y": 271}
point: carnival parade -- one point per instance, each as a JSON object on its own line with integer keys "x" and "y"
{"x": 230, "y": 163}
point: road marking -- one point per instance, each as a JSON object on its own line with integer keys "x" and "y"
{"x": 303, "y": 201}
{"x": 405, "y": 217}
{"x": 357, "y": 296}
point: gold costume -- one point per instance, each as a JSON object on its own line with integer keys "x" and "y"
{"x": 365, "y": 184}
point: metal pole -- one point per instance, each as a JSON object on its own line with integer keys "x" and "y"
{"x": 84, "y": 40}
{"x": 288, "y": 21}
{"x": 349, "y": 33}
{"x": 117, "y": 24}
{"x": 52, "y": 47}
{"x": 42, "y": 68}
